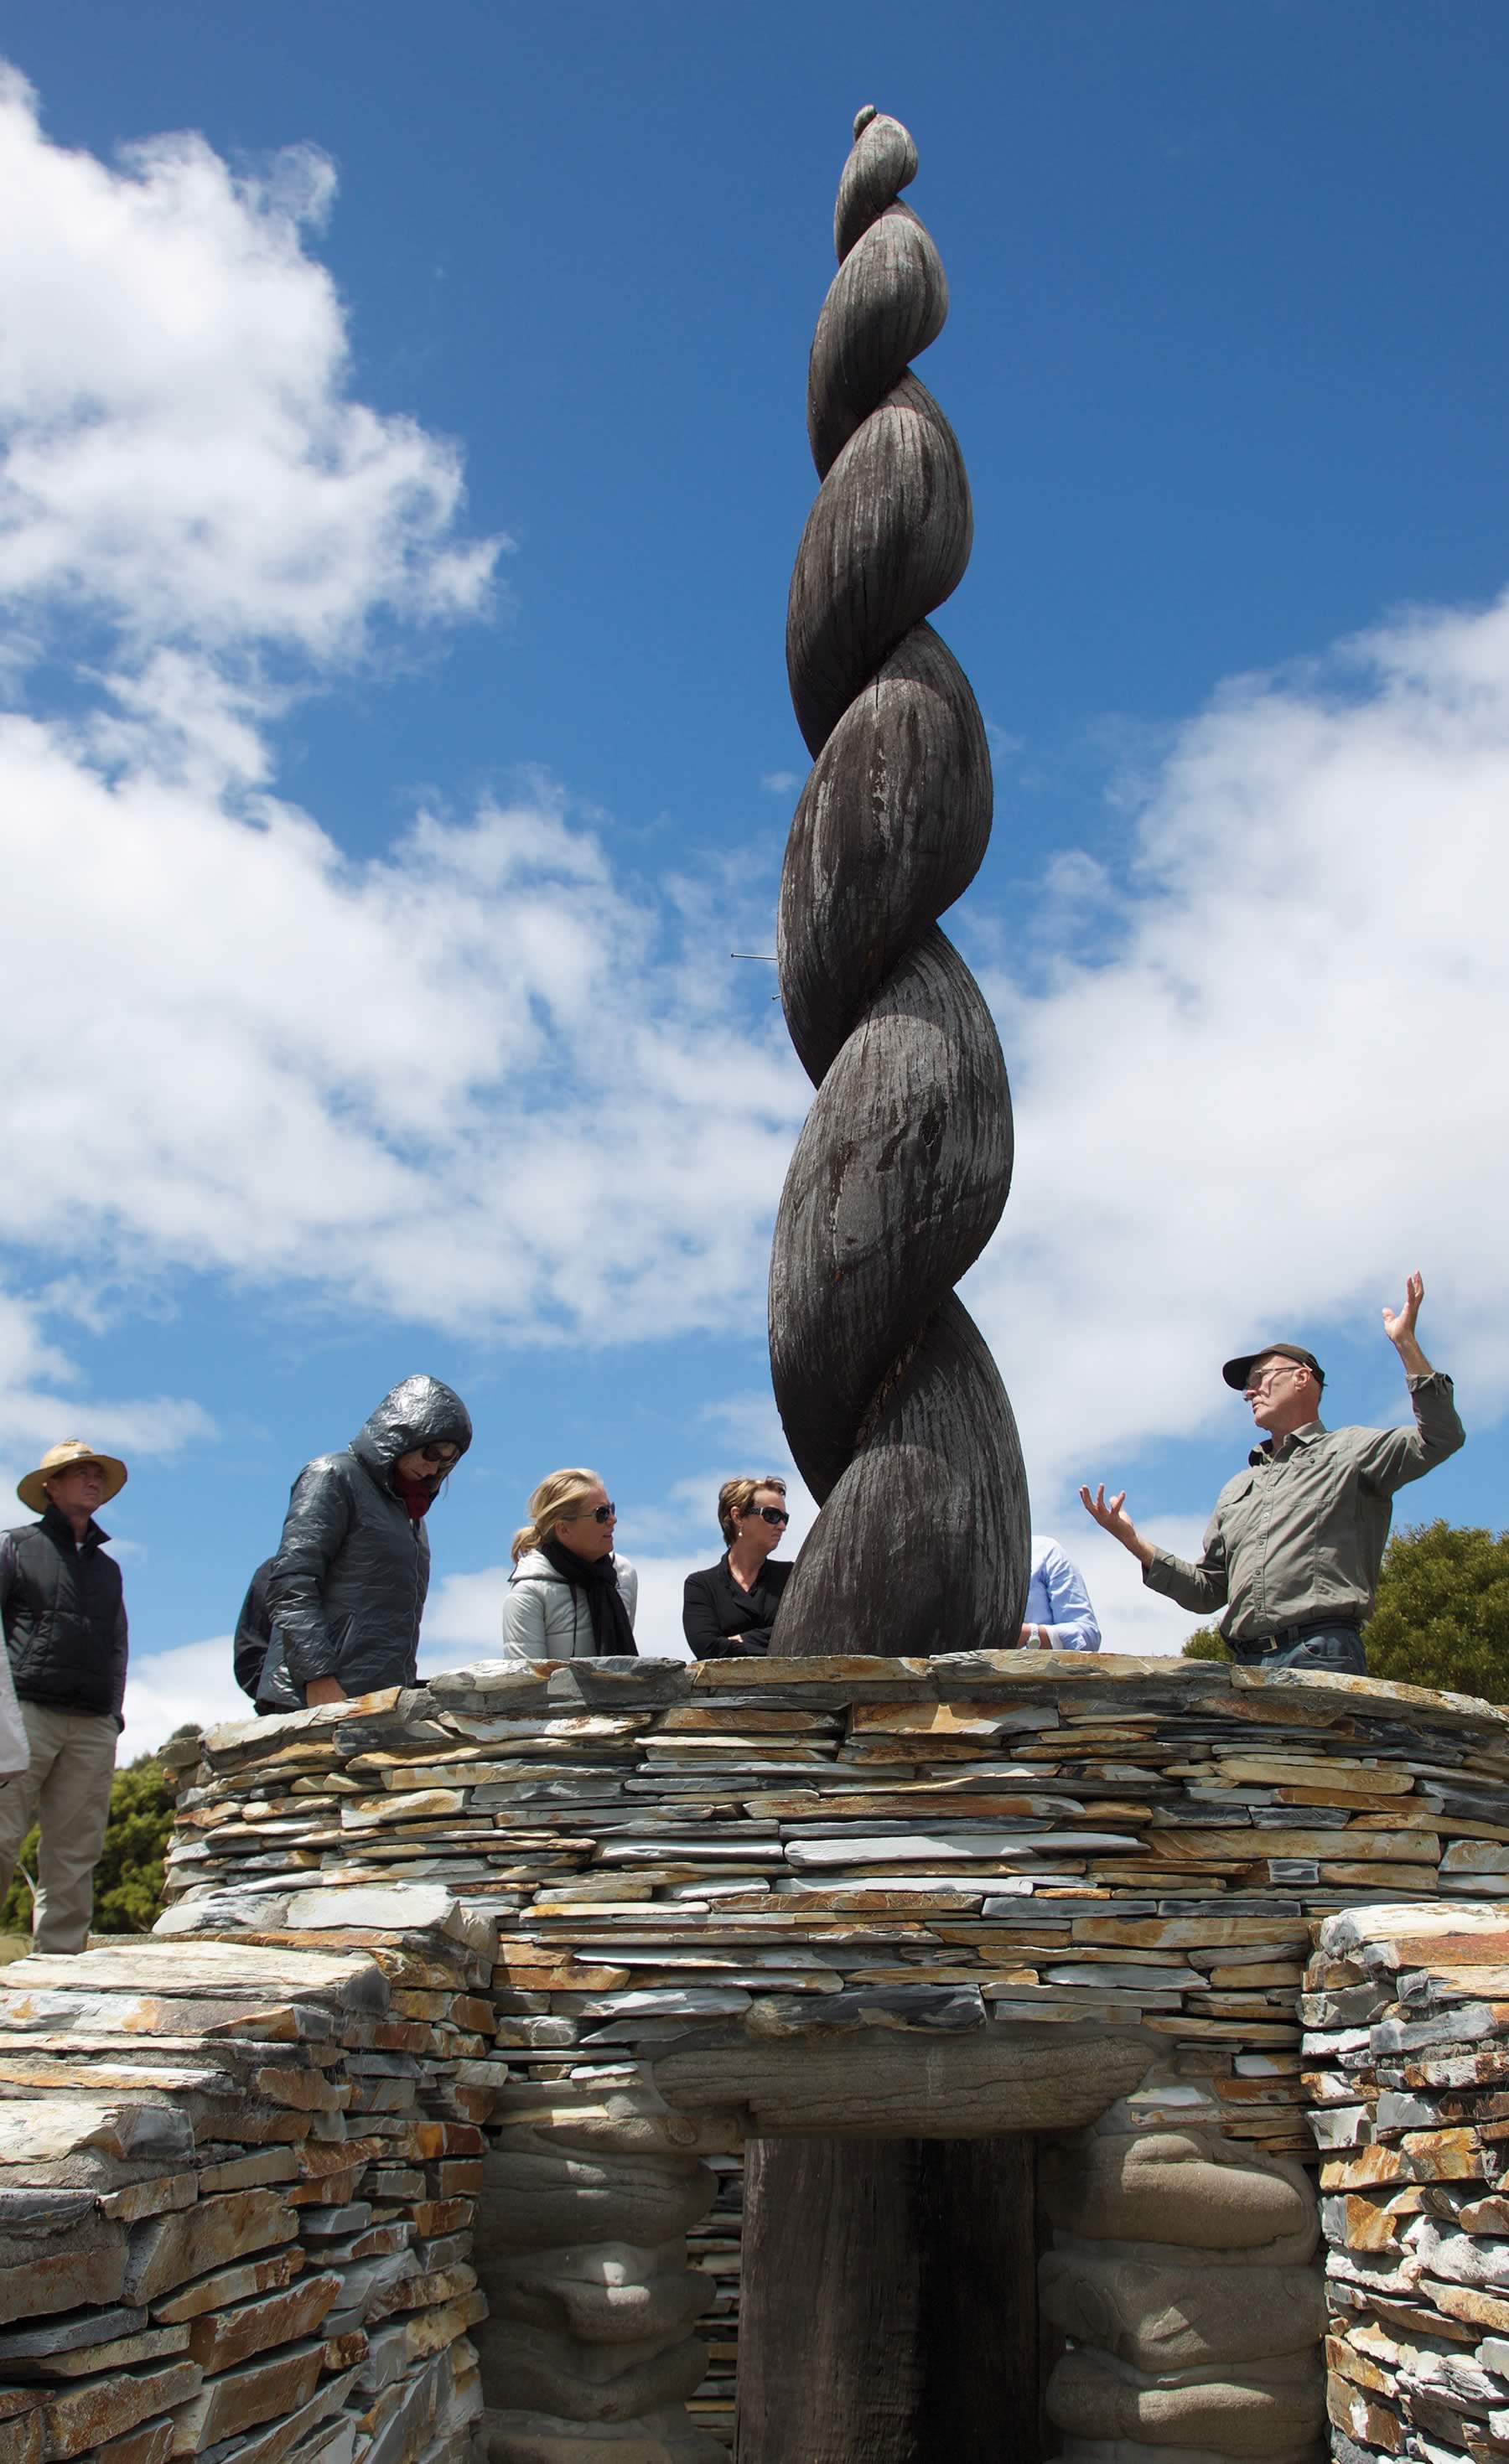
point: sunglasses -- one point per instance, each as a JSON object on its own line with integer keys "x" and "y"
{"x": 599, "y": 1513}
{"x": 441, "y": 1456}
{"x": 770, "y": 1513}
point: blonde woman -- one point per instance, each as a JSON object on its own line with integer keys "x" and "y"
{"x": 729, "y": 1610}
{"x": 568, "y": 1596}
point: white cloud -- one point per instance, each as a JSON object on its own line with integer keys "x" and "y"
{"x": 780, "y": 783}
{"x": 463, "y": 1618}
{"x": 1279, "y": 1085}
{"x": 1130, "y": 1616}
{"x": 297, "y": 1067}
{"x": 44, "y": 1398}
{"x": 192, "y": 1680}
{"x": 182, "y": 456}
{"x": 282, "y": 1064}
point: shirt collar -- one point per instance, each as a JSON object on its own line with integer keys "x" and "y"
{"x": 61, "y": 1528}
{"x": 1269, "y": 1452}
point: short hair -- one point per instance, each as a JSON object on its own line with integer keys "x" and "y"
{"x": 553, "y": 1502}
{"x": 737, "y": 1496}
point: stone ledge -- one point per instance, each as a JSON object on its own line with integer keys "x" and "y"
{"x": 635, "y": 1684}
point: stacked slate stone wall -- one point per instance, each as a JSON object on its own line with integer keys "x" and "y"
{"x": 236, "y": 2189}
{"x": 1408, "y": 2037}
{"x": 610, "y": 1921}
{"x": 853, "y": 1854}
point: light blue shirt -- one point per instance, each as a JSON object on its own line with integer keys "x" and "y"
{"x": 1056, "y": 1599}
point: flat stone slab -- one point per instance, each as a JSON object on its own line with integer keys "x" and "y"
{"x": 148, "y": 1966}
{"x": 49, "y": 2130}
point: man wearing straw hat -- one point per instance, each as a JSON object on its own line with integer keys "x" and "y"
{"x": 66, "y": 1636}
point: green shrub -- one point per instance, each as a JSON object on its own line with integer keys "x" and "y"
{"x": 128, "y": 1878}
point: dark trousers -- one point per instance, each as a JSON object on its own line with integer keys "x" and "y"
{"x": 1324, "y": 1646}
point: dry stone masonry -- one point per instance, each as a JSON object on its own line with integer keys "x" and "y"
{"x": 1408, "y": 2030}
{"x": 419, "y": 2121}
{"x": 236, "y": 2193}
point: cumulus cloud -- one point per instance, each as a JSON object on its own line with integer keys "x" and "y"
{"x": 182, "y": 456}
{"x": 288, "y": 1065}
{"x": 45, "y": 1396}
{"x": 163, "y": 1689}
{"x": 1279, "y": 1082}
{"x": 299, "y": 1067}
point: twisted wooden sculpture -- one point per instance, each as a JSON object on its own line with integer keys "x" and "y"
{"x": 883, "y": 2317}
{"x": 891, "y": 1402}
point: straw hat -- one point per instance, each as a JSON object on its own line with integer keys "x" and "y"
{"x": 68, "y": 1450}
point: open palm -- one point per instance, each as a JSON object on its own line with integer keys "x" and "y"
{"x": 1398, "y": 1325}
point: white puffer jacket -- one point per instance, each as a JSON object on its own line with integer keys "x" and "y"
{"x": 546, "y": 1617}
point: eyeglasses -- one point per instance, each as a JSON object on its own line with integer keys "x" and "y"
{"x": 607, "y": 1513}
{"x": 1260, "y": 1385}
{"x": 770, "y": 1513}
{"x": 443, "y": 1455}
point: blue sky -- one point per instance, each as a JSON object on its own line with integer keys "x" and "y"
{"x": 403, "y": 458}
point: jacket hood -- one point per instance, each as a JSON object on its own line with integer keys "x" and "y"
{"x": 418, "y": 1411}
{"x": 537, "y": 1567}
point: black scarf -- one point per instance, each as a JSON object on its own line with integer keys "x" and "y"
{"x": 612, "y": 1635}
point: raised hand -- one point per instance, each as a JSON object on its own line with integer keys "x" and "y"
{"x": 1107, "y": 1512}
{"x": 1399, "y": 1325}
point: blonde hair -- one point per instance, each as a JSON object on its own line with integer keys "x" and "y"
{"x": 553, "y": 1502}
{"x": 737, "y": 1496}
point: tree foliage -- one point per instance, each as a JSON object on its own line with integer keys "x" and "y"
{"x": 128, "y": 1878}
{"x": 1441, "y": 1616}
{"x": 1205, "y": 1644}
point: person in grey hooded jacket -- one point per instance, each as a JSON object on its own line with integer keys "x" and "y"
{"x": 347, "y": 1585}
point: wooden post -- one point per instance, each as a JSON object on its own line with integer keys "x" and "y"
{"x": 888, "y": 2313}
{"x": 893, "y": 1406}
{"x": 889, "y": 2310}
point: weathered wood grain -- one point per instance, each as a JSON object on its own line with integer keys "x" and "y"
{"x": 931, "y": 2357}
{"x": 894, "y": 2082}
{"x": 893, "y": 822}
{"x": 888, "y": 301}
{"x": 889, "y": 1400}
{"x": 881, "y": 163}
{"x": 898, "y": 1183}
{"x": 920, "y": 1542}
{"x": 885, "y": 543}
{"x": 868, "y": 2337}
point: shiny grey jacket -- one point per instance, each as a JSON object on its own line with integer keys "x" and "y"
{"x": 545, "y": 1617}
{"x": 347, "y": 1586}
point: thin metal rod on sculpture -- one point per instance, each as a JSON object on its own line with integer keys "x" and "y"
{"x": 891, "y": 1402}
{"x": 889, "y": 2302}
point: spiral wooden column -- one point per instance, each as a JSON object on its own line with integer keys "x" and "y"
{"x": 893, "y": 1406}
{"x": 889, "y": 2307}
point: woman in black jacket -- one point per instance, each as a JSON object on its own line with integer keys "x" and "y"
{"x": 729, "y": 1610}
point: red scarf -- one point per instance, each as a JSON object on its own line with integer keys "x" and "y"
{"x": 416, "y": 1495}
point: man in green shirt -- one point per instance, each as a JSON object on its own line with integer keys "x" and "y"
{"x": 1294, "y": 1547}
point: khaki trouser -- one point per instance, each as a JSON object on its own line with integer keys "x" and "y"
{"x": 68, "y": 1790}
